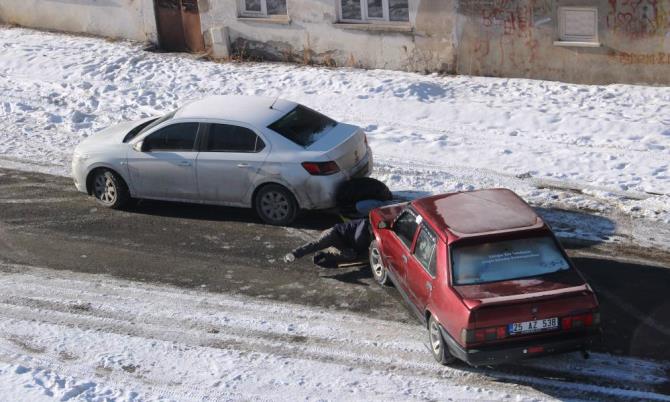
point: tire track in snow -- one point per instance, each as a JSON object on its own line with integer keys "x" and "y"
{"x": 282, "y": 331}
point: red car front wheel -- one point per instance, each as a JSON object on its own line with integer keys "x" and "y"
{"x": 377, "y": 265}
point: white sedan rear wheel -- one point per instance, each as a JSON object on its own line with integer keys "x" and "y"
{"x": 276, "y": 205}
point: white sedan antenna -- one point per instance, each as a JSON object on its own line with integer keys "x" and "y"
{"x": 273, "y": 103}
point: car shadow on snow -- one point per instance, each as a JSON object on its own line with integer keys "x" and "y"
{"x": 578, "y": 229}
{"x": 634, "y": 306}
{"x": 315, "y": 220}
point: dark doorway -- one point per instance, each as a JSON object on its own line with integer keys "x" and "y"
{"x": 178, "y": 24}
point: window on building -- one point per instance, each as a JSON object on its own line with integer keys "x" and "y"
{"x": 374, "y": 10}
{"x": 263, "y": 8}
{"x": 578, "y": 24}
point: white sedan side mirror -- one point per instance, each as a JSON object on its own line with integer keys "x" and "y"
{"x": 138, "y": 146}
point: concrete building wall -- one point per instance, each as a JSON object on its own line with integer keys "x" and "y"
{"x": 128, "y": 19}
{"x": 311, "y": 33}
{"x": 518, "y": 38}
{"x": 507, "y": 38}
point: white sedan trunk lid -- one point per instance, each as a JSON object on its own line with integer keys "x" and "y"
{"x": 344, "y": 144}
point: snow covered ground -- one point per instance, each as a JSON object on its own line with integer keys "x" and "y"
{"x": 595, "y": 148}
{"x": 600, "y": 150}
{"x": 96, "y": 338}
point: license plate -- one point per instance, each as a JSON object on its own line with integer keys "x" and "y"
{"x": 527, "y": 327}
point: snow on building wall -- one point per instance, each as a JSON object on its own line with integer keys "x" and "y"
{"x": 587, "y": 41}
{"x": 129, "y": 19}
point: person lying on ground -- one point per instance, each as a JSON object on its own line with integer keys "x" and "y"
{"x": 343, "y": 243}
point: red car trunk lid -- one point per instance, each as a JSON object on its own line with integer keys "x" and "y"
{"x": 501, "y": 303}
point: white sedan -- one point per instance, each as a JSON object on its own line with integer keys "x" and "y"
{"x": 271, "y": 154}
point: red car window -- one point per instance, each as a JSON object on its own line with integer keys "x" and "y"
{"x": 506, "y": 259}
{"x": 424, "y": 250}
{"x": 405, "y": 227}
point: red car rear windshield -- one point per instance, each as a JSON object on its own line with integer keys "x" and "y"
{"x": 506, "y": 260}
{"x": 303, "y": 125}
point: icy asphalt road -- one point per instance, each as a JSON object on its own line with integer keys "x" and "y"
{"x": 221, "y": 317}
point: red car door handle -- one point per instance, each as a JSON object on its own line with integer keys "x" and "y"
{"x": 404, "y": 258}
{"x": 429, "y": 286}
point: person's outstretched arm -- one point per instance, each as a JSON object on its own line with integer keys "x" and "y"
{"x": 328, "y": 238}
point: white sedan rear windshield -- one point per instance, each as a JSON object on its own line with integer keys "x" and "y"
{"x": 506, "y": 260}
{"x": 303, "y": 125}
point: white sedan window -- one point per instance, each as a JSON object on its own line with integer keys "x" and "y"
{"x": 175, "y": 137}
{"x": 230, "y": 138}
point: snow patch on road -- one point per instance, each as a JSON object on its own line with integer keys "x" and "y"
{"x": 92, "y": 337}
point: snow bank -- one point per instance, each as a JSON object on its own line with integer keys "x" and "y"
{"x": 599, "y": 148}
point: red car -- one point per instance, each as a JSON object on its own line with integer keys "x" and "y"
{"x": 486, "y": 275}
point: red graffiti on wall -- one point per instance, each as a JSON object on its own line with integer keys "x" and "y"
{"x": 507, "y": 27}
{"x": 512, "y": 17}
{"x": 642, "y": 58}
{"x": 638, "y": 18}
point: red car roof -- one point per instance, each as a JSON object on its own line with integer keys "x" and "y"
{"x": 472, "y": 213}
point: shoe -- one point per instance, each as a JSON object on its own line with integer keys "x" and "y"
{"x": 289, "y": 258}
{"x": 319, "y": 258}
{"x": 325, "y": 260}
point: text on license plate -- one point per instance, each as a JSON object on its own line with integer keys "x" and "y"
{"x": 532, "y": 326}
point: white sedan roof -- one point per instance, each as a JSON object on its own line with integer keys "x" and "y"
{"x": 254, "y": 110}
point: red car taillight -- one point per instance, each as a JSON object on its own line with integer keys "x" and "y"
{"x": 483, "y": 334}
{"x": 321, "y": 168}
{"x": 580, "y": 321}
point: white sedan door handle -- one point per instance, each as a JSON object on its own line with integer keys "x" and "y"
{"x": 184, "y": 163}
{"x": 242, "y": 165}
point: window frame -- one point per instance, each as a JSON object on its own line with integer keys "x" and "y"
{"x": 166, "y": 124}
{"x": 365, "y": 18}
{"x": 564, "y": 37}
{"x": 433, "y": 260}
{"x": 418, "y": 225}
{"x": 207, "y": 131}
{"x": 259, "y": 14}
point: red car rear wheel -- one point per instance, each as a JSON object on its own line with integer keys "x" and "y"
{"x": 438, "y": 346}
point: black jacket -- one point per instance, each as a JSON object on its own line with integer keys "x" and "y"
{"x": 356, "y": 234}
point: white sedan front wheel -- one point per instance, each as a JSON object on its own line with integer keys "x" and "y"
{"x": 109, "y": 189}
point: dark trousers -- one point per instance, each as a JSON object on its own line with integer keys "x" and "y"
{"x": 330, "y": 249}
